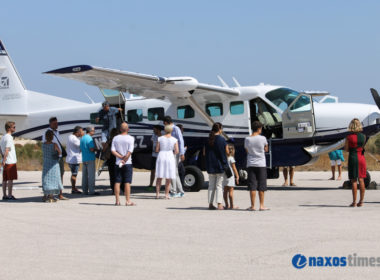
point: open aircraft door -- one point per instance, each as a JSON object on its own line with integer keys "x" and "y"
{"x": 298, "y": 120}
{"x": 114, "y": 97}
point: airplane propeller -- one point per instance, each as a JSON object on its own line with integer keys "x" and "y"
{"x": 375, "y": 96}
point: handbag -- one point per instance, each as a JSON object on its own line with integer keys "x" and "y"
{"x": 227, "y": 169}
{"x": 63, "y": 150}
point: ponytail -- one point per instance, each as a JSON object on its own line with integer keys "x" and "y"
{"x": 215, "y": 129}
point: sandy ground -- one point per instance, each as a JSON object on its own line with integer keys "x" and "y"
{"x": 89, "y": 238}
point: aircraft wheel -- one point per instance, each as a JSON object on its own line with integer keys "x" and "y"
{"x": 367, "y": 180}
{"x": 194, "y": 179}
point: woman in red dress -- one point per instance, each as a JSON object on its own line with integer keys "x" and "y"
{"x": 357, "y": 168}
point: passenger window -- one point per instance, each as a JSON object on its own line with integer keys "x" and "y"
{"x": 214, "y": 109}
{"x": 156, "y": 114}
{"x": 237, "y": 107}
{"x": 185, "y": 112}
{"x": 134, "y": 116}
{"x": 93, "y": 117}
{"x": 303, "y": 104}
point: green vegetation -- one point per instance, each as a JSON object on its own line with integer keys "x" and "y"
{"x": 29, "y": 156}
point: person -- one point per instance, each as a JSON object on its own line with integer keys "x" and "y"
{"x": 9, "y": 160}
{"x": 176, "y": 189}
{"x": 336, "y": 158}
{"x": 51, "y": 176}
{"x": 122, "y": 148}
{"x": 229, "y": 183}
{"x": 87, "y": 147}
{"x": 181, "y": 166}
{"x": 74, "y": 156}
{"x": 256, "y": 145}
{"x": 216, "y": 160}
{"x": 166, "y": 162}
{"x": 111, "y": 159}
{"x": 156, "y": 134}
{"x": 285, "y": 171}
{"x": 107, "y": 116}
{"x": 357, "y": 169}
{"x": 53, "y": 125}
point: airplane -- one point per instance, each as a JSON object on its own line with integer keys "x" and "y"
{"x": 298, "y": 127}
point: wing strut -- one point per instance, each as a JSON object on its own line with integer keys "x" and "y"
{"x": 194, "y": 104}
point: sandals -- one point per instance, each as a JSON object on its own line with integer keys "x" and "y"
{"x": 251, "y": 209}
{"x": 130, "y": 204}
{"x": 75, "y": 191}
{"x": 353, "y": 204}
{"x": 360, "y": 204}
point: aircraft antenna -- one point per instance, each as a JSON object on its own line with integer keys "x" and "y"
{"x": 92, "y": 101}
{"x": 224, "y": 84}
{"x": 236, "y": 82}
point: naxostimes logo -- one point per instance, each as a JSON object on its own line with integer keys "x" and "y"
{"x": 300, "y": 261}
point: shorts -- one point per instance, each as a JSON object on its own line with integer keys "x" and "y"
{"x": 257, "y": 179}
{"x": 61, "y": 166}
{"x": 153, "y": 163}
{"x": 74, "y": 167}
{"x": 338, "y": 162}
{"x": 105, "y": 135}
{"x": 10, "y": 172}
{"x": 123, "y": 174}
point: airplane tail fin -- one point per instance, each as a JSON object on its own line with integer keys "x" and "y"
{"x": 13, "y": 94}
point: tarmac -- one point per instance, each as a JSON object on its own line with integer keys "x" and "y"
{"x": 87, "y": 237}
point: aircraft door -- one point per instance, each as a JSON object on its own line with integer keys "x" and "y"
{"x": 298, "y": 119}
{"x": 114, "y": 97}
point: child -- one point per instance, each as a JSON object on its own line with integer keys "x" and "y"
{"x": 156, "y": 133}
{"x": 229, "y": 183}
{"x": 336, "y": 158}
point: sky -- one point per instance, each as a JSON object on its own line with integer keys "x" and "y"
{"x": 322, "y": 45}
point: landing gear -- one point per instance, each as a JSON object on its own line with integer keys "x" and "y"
{"x": 194, "y": 179}
{"x": 367, "y": 181}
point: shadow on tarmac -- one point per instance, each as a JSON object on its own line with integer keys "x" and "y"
{"x": 324, "y": 206}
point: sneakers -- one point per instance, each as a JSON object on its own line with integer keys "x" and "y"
{"x": 177, "y": 195}
{"x": 9, "y": 198}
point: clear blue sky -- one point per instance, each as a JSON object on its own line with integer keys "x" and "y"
{"x": 305, "y": 45}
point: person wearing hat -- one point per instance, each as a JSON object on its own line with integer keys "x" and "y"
{"x": 107, "y": 115}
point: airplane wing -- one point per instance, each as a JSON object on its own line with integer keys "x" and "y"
{"x": 149, "y": 86}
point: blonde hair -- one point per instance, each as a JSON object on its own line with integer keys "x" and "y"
{"x": 231, "y": 146}
{"x": 168, "y": 128}
{"x": 355, "y": 126}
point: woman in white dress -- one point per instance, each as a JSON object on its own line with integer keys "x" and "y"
{"x": 167, "y": 147}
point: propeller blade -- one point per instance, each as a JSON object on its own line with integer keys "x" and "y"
{"x": 375, "y": 96}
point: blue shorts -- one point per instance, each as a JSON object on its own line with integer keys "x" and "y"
{"x": 74, "y": 168}
{"x": 123, "y": 174}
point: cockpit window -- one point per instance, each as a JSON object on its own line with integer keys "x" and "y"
{"x": 282, "y": 97}
{"x": 302, "y": 104}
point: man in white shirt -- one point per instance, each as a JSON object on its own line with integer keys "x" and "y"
{"x": 53, "y": 125}
{"x": 74, "y": 156}
{"x": 9, "y": 160}
{"x": 122, "y": 148}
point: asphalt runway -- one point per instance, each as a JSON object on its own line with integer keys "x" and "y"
{"x": 89, "y": 238}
